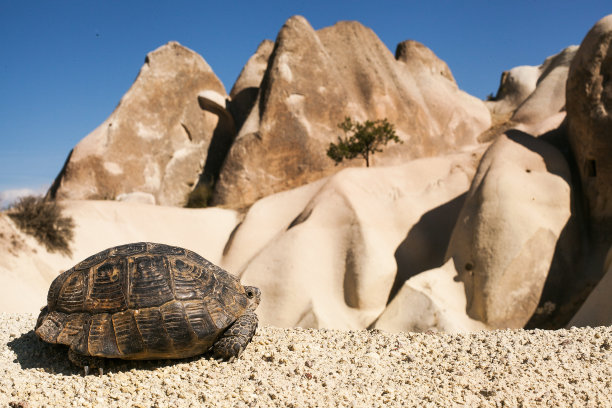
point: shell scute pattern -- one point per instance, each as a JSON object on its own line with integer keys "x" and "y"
{"x": 220, "y": 317}
{"x": 71, "y": 296}
{"x": 52, "y": 325}
{"x": 177, "y": 325}
{"x": 72, "y": 327}
{"x": 101, "y": 340}
{"x": 191, "y": 281}
{"x": 129, "y": 249}
{"x": 200, "y": 319}
{"x": 162, "y": 249}
{"x": 152, "y": 329}
{"x": 129, "y": 339}
{"x": 56, "y": 288}
{"x": 149, "y": 282}
{"x": 107, "y": 283}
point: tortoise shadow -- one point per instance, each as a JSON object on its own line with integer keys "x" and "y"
{"x": 33, "y": 353}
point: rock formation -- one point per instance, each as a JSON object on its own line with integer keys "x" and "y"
{"x": 589, "y": 111}
{"x": 437, "y": 236}
{"x": 432, "y": 300}
{"x": 326, "y": 254}
{"x": 506, "y": 234}
{"x": 244, "y": 92}
{"x": 157, "y": 140}
{"x": 313, "y": 80}
{"x": 532, "y": 98}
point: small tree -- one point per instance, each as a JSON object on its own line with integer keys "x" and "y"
{"x": 363, "y": 139}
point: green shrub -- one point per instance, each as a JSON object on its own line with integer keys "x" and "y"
{"x": 363, "y": 139}
{"x": 43, "y": 219}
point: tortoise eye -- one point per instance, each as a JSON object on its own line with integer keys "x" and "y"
{"x": 250, "y": 293}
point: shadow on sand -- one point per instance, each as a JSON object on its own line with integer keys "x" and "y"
{"x": 33, "y": 353}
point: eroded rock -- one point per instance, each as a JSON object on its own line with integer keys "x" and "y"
{"x": 507, "y": 232}
{"x": 157, "y": 140}
{"x": 532, "y": 98}
{"x": 589, "y": 112}
{"x": 314, "y": 79}
{"x": 334, "y": 259}
{"x": 244, "y": 92}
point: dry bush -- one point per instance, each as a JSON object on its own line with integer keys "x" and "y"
{"x": 43, "y": 219}
{"x": 200, "y": 196}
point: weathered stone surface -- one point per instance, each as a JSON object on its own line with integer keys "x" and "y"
{"x": 589, "y": 113}
{"x": 326, "y": 254}
{"x": 515, "y": 86}
{"x": 417, "y": 56}
{"x": 432, "y": 300}
{"x": 532, "y": 98}
{"x": 544, "y": 108}
{"x": 506, "y": 234}
{"x": 157, "y": 140}
{"x": 244, "y": 92}
{"x": 314, "y": 79}
{"x": 265, "y": 219}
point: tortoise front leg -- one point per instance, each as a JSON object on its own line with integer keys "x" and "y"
{"x": 234, "y": 340}
{"x": 86, "y": 362}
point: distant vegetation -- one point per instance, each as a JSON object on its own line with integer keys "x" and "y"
{"x": 201, "y": 195}
{"x": 43, "y": 219}
{"x": 362, "y": 139}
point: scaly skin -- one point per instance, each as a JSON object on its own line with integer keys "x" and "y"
{"x": 234, "y": 340}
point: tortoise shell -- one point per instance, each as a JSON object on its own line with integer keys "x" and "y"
{"x": 141, "y": 301}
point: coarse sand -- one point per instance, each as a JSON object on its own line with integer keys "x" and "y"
{"x": 326, "y": 368}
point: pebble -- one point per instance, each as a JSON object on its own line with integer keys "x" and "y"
{"x": 306, "y": 367}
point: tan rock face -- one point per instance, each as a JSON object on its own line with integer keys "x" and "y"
{"x": 505, "y": 236}
{"x": 314, "y": 79}
{"x": 515, "y": 86}
{"x": 589, "y": 112}
{"x": 532, "y": 98}
{"x": 156, "y": 141}
{"x": 326, "y": 254}
{"x": 245, "y": 89}
{"x": 432, "y": 300}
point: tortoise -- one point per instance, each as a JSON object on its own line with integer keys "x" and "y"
{"x": 145, "y": 301}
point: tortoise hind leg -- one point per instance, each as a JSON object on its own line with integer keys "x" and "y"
{"x": 234, "y": 340}
{"x": 87, "y": 362}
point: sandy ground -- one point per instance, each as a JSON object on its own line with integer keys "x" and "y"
{"x": 326, "y": 368}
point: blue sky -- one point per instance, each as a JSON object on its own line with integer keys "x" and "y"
{"x": 64, "y": 65}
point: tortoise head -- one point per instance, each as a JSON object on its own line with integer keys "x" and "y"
{"x": 254, "y": 296}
